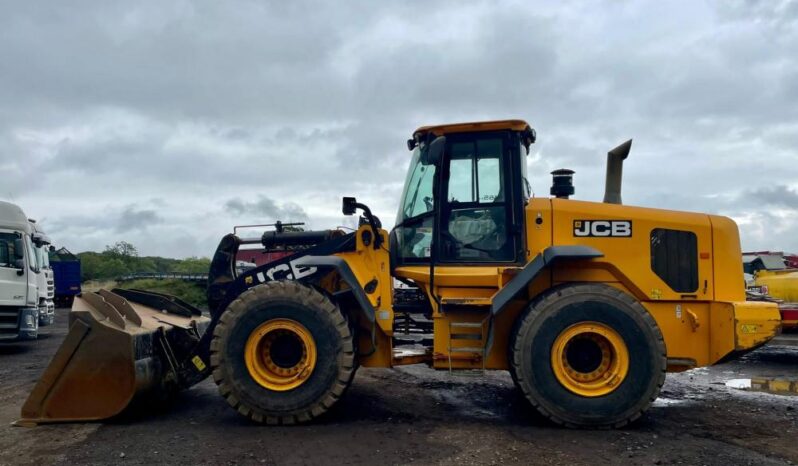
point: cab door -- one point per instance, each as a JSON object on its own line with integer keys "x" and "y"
{"x": 480, "y": 218}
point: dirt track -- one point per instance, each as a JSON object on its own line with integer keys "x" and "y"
{"x": 416, "y": 415}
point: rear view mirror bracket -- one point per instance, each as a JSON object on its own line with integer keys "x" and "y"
{"x": 432, "y": 154}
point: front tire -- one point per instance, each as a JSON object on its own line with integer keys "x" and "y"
{"x": 282, "y": 353}
{"x": 588, "y": 355}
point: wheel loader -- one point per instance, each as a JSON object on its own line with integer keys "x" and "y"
{"x": 586, "y": 304}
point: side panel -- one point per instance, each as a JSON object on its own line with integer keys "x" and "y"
{"x": 700, "y": 326}
{"x": 726, "y": 254}
{"x": 539, "y": 226}
{"x": 687, "y": 329}
{"x": 13, "y": 287}
{"x": 629, "y": 252}
{"x": 624, "y": 235}
{"x": 371, "y": 269}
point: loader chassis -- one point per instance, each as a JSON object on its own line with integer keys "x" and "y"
{"x": 587, "y": 304}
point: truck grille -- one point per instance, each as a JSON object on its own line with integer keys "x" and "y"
{"x": 8, "y": 323}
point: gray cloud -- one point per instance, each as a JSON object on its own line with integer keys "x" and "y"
{"x": 780, "y": 195}
{"x": 168, "y": 123}
{"x": 132, "y": 219}
{"x": 267, "y": 209}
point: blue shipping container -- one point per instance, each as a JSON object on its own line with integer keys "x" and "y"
{"x": 66, "y": 274}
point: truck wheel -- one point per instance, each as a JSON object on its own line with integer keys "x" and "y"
{"x": 588, "y": 355}
{"x": 282, "y": 353}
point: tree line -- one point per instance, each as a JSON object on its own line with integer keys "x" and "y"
{"x": 123, "y": 258}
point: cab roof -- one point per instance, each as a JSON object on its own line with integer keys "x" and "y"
{"x": 13, "y": 218}
{"x": 498, "y": 125}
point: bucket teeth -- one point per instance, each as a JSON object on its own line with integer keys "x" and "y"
{"x": 120, "y": 346}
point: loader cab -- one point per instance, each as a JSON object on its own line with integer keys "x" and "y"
{"x": 464, "y": 196}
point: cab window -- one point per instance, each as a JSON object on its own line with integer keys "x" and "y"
{"x": 8, "y": 252}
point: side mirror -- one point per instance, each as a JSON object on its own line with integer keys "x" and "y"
{"x": 39, "y": 239}
{"x": 349, "y": 206}
{"x": 19, "y": 264}
{"x": 433, "y": 154}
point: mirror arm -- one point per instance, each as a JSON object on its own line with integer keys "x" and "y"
{"x": 350, "y": 205}
{"x": 370, "y": 217}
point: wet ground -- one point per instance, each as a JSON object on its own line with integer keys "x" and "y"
{"x": 416, "y": 415}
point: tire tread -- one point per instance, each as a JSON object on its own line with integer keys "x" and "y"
{"x": 304, "y": 295}
{"x": 539, "y": 305}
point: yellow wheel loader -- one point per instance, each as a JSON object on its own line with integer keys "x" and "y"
{"x": 586, "y": 304}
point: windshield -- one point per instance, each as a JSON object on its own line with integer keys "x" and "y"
{"x": 417, "y": 195}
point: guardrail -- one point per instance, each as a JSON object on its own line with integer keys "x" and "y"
{"x": 187, "y": 277}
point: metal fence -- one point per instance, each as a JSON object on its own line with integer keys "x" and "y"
{"x": 186, "y": 277}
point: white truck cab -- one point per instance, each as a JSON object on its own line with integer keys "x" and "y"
{"x": 44, "y": 277}
{"x": 19, "y": 295}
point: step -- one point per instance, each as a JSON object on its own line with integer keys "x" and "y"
{"x": 467, "y": 349}
{"x": 465, "y": 324}
{"x": 469, "y": 301}
{"x": 467, "y": 372}
{"x": 465, "y": 336}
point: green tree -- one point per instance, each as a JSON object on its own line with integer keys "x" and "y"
{"x": 89, "y": 265}
{"x": 194, "y": 265}
{"x": 122, "y": 258}
{"x": 122, "y": 250}
{"x": 145, "y": 264}
{"x": 112, "y": 268}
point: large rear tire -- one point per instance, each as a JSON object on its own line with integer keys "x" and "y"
{"x": 282, "y": 353}
{"x": 589, "y": 356}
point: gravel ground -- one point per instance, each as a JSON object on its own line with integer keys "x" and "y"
{"x": 417, "y": 415}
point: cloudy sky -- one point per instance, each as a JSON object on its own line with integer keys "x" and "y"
{"x": 166, "y": 123}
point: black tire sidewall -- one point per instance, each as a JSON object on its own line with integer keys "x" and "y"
{"x": 536, "y": 340}
{"x": 329, "y": 350}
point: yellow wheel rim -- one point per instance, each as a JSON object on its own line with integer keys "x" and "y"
{"x": 280, "y": 354}
{"x": 590, "y": 359}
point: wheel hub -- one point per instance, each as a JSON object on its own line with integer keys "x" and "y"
{"x": 590, "y": 359}
{"x": 280, "y": 354}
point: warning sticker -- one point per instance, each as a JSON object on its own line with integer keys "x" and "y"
{"x": 198, "y": 363}
{"x": 749, "y": 328}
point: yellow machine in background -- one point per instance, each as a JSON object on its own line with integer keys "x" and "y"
{"x": 587, "y": 304}
{"x": 782, "y": 284}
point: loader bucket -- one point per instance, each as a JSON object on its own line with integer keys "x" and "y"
{"x": 121, "y": 345}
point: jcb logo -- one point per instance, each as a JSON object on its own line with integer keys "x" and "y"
{"x": 289, "y": 271}
{"x": 603, "y": 228}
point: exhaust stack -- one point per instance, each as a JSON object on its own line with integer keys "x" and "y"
{"x": 612, "y": 184}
